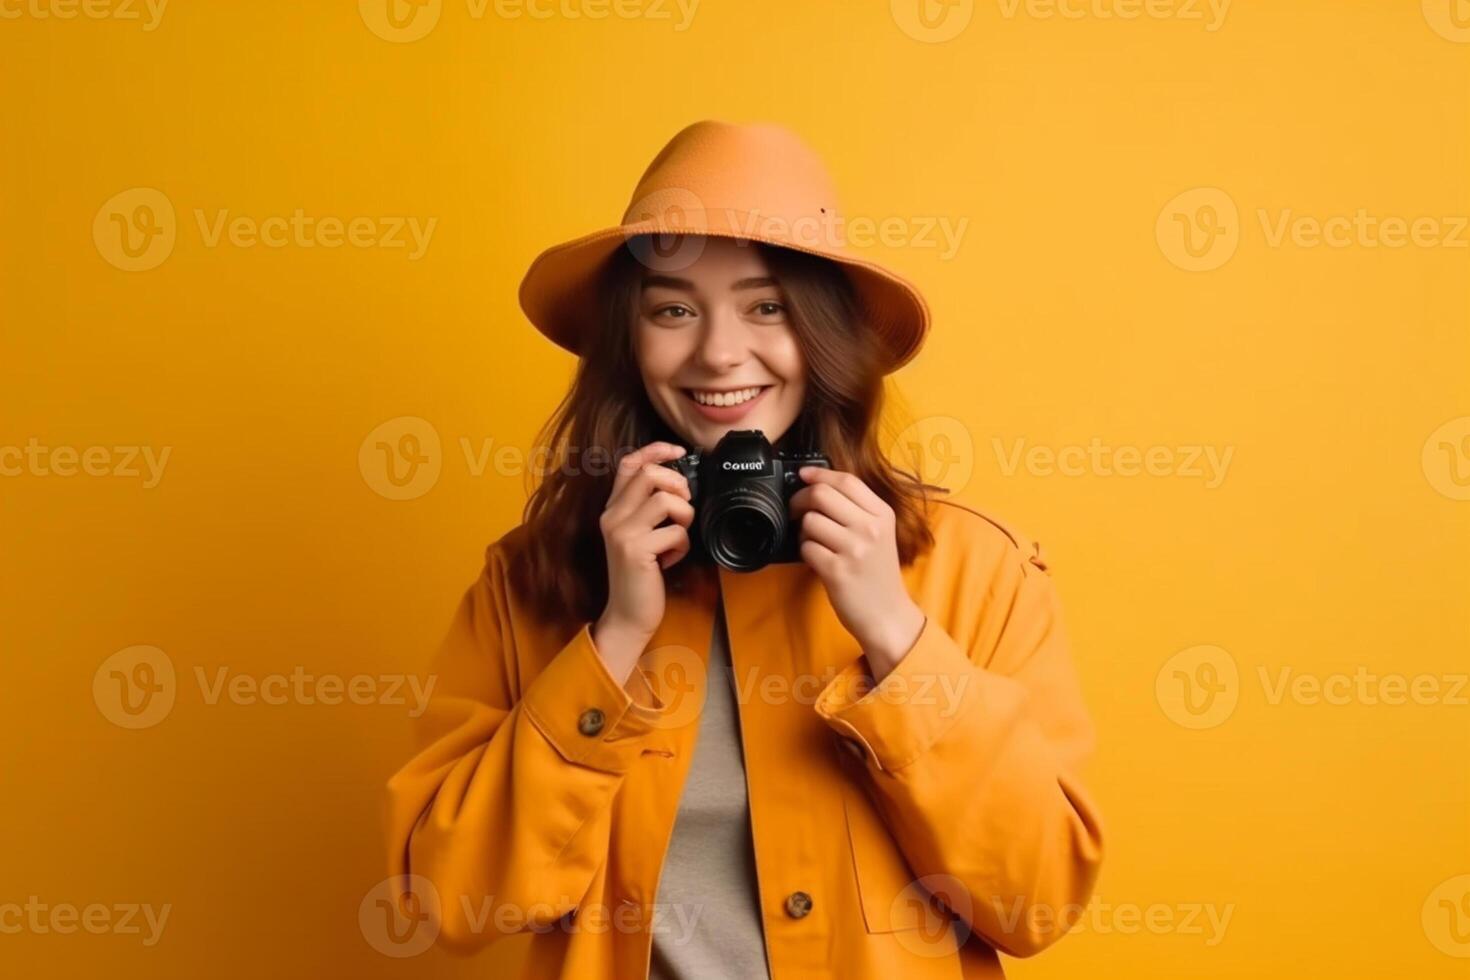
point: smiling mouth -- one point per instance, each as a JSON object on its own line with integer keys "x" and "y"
{"x": 723, "y": 398}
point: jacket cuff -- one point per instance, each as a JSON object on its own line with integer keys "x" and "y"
{"x": 582, "y": 711}
{"x": 894, "y": 722}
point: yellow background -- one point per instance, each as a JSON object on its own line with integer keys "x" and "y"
{"x": 1336, "y": 540}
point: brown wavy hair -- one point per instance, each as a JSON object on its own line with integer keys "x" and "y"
{"x": 560, "y": 564}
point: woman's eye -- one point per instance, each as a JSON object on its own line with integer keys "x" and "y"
{"x": 769, "y": 308}
{"x": 670, "y": 311}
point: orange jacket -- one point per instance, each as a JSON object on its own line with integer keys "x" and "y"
{"x": 909, "y": 830}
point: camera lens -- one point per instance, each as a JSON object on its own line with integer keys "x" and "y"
{"x": 744, "y": 527}
{"x": 747, "y": 532}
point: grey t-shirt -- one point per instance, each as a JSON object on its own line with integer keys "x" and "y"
{"x": 707, "y": 921}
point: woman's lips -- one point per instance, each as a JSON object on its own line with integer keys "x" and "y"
{"x": 726, "y": 413}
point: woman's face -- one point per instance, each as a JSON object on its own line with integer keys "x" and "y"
{"x": 715, "y": 346}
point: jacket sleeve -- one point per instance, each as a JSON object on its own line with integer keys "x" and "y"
{"x": 972, "y": 751}
{"x": 504, "y": 810}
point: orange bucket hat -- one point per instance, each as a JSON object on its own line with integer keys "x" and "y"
{"x": 755, "y": 182}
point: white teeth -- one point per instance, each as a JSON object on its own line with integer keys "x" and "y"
{"x": 724, "y": 399}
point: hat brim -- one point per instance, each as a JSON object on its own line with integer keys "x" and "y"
{"x": 559, "y": 291}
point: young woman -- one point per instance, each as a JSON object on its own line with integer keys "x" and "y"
{"x": 860, "y": 763}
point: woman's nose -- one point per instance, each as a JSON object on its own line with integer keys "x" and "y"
{"x": 725, "y": 342}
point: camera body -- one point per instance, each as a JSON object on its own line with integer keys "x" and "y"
{"x": 741, "y": 490}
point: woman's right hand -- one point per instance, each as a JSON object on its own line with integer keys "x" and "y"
{"x": 644, "y": 494}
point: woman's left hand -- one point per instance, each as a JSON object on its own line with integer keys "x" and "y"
{"x": 849, "y": 540}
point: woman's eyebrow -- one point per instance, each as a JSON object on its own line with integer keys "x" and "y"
{"x": 670, "y": 282}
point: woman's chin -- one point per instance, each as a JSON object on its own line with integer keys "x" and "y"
{"x": 708, "y": 434}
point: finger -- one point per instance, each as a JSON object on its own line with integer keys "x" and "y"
{"x": 640, "y": 485}
{"x": 826, "y": 499}
{"x": 629, "y": 465}
{"x": 650, "y": 545}
{"x": 670, "y": 543}
{"x": 651, "y": 513}
{"x": 818, "y": 527}
{"x": 817, "y": 555}
{"x": 648, "y": 480}
{"x": 851, "y": 487}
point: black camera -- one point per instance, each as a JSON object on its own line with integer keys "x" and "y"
{"x": 741, "y": 490}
